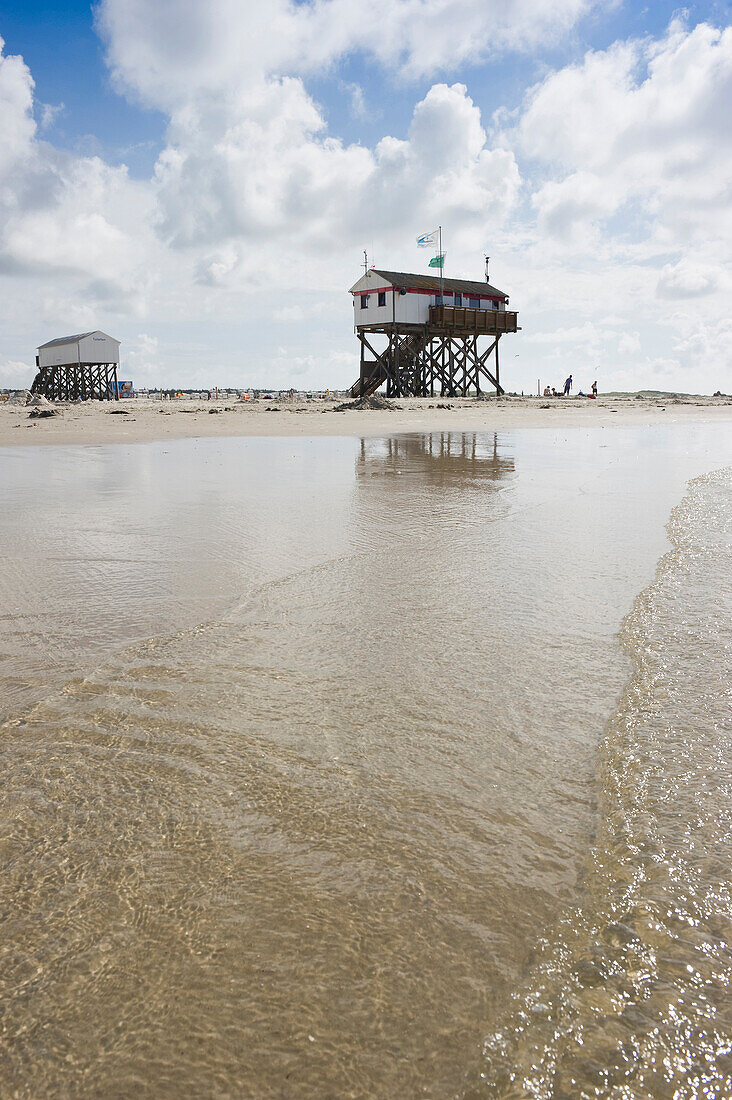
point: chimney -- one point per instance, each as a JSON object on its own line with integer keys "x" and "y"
{"x": 486, "y": 269}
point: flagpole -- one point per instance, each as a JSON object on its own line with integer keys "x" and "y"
{"x": 442, "y": 263}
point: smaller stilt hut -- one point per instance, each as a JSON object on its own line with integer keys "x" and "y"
{"x": 78, "y": 368}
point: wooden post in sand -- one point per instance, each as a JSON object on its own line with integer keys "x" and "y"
{"x": 499, "y": 388}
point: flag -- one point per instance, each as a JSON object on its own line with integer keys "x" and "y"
{"x": 427, "y": 240}
{"x": 437, "y": 261}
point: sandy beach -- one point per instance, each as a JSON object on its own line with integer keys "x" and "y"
{"x": 145, "y": 419}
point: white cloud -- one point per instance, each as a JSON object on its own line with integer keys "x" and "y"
{"x": 231, "y": 262}
{"x": 645, "y": 121}
{"x": 629, "y": 343}
{"x": 49, "y": 113}
{"x": 260, "y": 166}
{"x": 62, "y": 215}
{"x": 629, "y": 157}
{"x": 357, "y": 98}
{"x": 17, "y": 126}
{"x": 165, "y": 53}
{"x": 569, "y": 209}
{"x": 702, "y": 349}
{"x": 74, "y": 232}
{"x": 16, "y": 375}
{"x": 214, "y": 269}
{"x": 242, "y": 176}
{"x": 142, "y": 360}
{"x": 687, "y": 279}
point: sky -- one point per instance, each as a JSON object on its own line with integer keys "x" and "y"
{"x": 199, "y": 179}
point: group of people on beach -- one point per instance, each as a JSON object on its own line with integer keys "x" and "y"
{"x": 549, "y": 391}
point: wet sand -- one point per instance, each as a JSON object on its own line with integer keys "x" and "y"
{"x": 145, "y": 419}
{"x": 317, "y": 750}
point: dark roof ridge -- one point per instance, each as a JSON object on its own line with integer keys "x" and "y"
{"x": 432, "y": 282}
{"x": 76, "y": 336}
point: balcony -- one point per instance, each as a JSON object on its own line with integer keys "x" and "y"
{"x": 462, "y": 320}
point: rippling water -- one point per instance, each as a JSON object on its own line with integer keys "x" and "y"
{"x": 632, "y": 995}
{"x": 301, "y": 767}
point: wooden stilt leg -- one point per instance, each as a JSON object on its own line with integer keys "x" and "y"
{"x": 498, "y": 377}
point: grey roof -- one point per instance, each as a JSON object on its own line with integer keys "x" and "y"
{"x": 432, "y": 282}
{"x": 73, "y": 339}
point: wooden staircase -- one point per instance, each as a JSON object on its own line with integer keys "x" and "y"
{"x": 400, "y": 360}
{"x": 375, "y": 377}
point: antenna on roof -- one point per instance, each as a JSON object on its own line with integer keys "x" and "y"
{"x": 365, "y": 262}
{"x": 486, "y": 269}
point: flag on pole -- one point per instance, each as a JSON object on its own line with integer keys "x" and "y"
{"x": 427, "y": 240}
{"x": 437, "y": 261}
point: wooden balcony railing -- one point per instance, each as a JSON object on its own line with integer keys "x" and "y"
{"x": 464, "y": 319}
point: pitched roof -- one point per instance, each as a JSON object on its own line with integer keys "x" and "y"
{"x": 73, "y": 339}
{"x": 432, "y": 282}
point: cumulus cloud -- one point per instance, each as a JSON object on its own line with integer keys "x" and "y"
{"x": 687, "y": 279}
{"x": 215, "y": 269}
{"x": 15, "y": 374}
{"x": 616, "y": 257}
{"x": 628, "y": 155}
{"x": 142, "y": 360}
{"x": 644, "y": 121}
{"x": 74, "y": 232}
{"x": 20, "y": 184}
{"x": 246, "y": 169}
{"x": 248, "y": 156}
{"x": 61, "y": 214}
{"x": 703, "y": 349}
{"x": 17, "y": 125}
{"x": 163, "y": 52}
{"x": 567, "y": 207}
{"x": 572, "y": 344}
{"x": 261, "y": 166}
{"x": 629, "y": 343}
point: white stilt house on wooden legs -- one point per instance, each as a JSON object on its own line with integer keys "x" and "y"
{"x": 433, "y": 326}
{"x": 78, "y": 368}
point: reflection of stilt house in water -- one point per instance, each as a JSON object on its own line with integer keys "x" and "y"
{"x": 432, "y": 329}
{"x": 76, "y": 368}
{"x": 440, "y": 457}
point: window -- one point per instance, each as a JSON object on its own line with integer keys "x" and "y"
{"x": 382, "y": 297}
{"x": 495, "y": 304}
{"x": 458, "y": 299}
{"x": 474, "y": 303}
{"x": 364, "y": 301}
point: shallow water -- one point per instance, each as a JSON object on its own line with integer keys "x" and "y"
{"x": 631, "y": 997}
{"x": 301, "y": 760}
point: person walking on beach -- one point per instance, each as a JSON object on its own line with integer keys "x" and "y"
{"x": 594, "y": 388}
{"x": 568, "y": 386}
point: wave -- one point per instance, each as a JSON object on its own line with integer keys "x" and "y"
{"x": 630, "y": 997}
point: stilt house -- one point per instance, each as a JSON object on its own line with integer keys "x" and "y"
{"x": 75, "y": 368}
{"x": 433, "y": 327}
